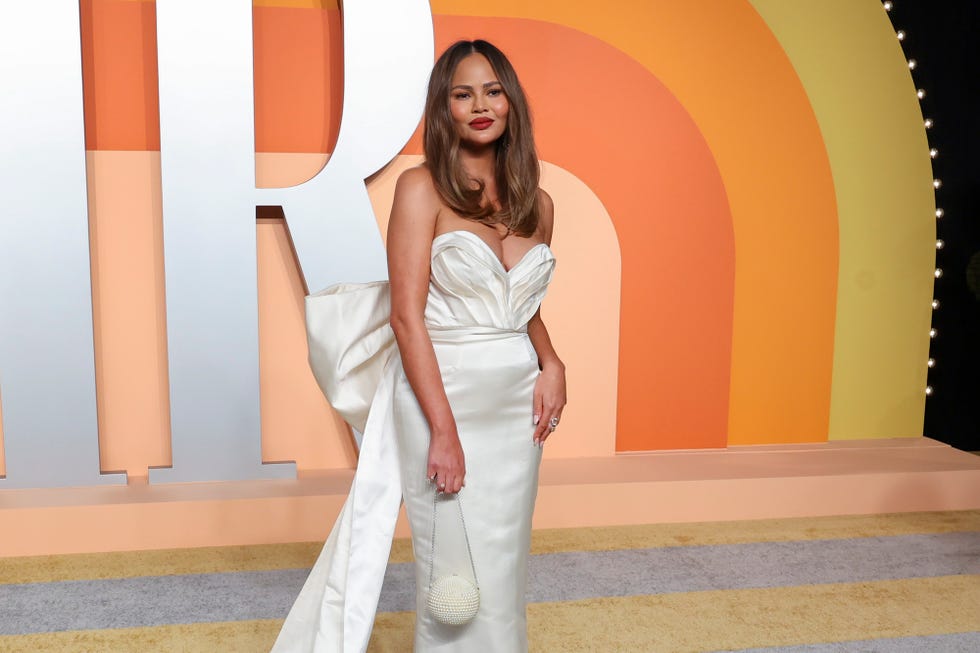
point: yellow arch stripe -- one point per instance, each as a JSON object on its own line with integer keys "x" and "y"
{"x": 853, "y": 69}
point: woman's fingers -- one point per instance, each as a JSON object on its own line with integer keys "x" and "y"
{"x": 538, "y": 406}
{"x": 541, "y": 416}
{"x": 450, "y": 485}
{"x": 454, "y": 484}
{"x": 446, "y": 465}
{"x": 549, "y": 429}
{"x": 543, "y": 429}
{"x": 549, "y": 424}
{"x": 448, "y": 481}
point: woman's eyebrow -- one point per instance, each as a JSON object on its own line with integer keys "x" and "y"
{"x": 467, "y": 87}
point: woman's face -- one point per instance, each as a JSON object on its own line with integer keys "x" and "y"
{"x": 477, "y": 102}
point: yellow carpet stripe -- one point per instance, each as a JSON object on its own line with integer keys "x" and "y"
{"x": 667, "y": 623}
{"x": 230, "y": 636}
{"x": 129, "y": 564}
{"x": 614, "y": 538}
{"x": 737, "y": 619}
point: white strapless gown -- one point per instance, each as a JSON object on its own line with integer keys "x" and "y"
{"x": 476, "y": 314}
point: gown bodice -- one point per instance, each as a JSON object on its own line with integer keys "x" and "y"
{"x": 469, "y": 286}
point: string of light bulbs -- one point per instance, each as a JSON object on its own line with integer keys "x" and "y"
{"x": 937, "y": 183}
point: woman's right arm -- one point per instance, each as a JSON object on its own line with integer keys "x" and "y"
{"x": 409, "y": 243}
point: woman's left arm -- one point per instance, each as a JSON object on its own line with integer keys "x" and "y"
{"x": 549, "y": 389}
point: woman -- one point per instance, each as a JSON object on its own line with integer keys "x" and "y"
{"x": 475, "y": 388}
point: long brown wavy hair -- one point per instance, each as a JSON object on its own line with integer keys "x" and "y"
{"x": 517, "y": 172}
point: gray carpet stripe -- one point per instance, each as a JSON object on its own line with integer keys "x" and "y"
{"x": 581, "y": 575}
{"x": 234, "y": 596}
{"x": 955, "y": 643}
{"x": 147, "y": 601}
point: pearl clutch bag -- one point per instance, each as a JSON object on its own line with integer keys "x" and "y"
{"x": 453, "y": 599}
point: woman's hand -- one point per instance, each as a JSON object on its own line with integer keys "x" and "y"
{"x": 447, "y": 468}
{"x": 549, "y": 400}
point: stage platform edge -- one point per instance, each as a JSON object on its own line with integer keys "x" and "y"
{"x": 745, "y": 482}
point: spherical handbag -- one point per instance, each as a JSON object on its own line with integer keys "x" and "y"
{"x": 453, "y": 599}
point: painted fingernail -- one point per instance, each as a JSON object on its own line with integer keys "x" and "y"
{"x": 536, "y": 418}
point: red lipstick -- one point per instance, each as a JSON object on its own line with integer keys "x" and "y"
{"x": 481, "y": 123}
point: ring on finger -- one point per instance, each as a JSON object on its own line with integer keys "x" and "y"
{"x": 553, "y": 422}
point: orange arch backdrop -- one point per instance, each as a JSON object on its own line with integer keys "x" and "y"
{"x": 688, "y": 121}
{"x": 603, "y": 117}
{"x": 768, "y": 149}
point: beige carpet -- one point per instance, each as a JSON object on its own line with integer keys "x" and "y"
{"x": 935, "y": 606}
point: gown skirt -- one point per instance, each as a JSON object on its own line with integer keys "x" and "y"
{"x": 489, "y": 379}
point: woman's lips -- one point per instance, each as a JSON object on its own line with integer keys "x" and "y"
{"x": 481, "y": 123}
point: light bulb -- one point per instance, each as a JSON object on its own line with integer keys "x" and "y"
{"x": 937, "y": 183}
{"x": 935, "y": 304}
{"x": 938, "y": 273}
{"x": 933, "y": 153}
{"x": 940, "y": 244}
{"x": 940, "y": 213}
{"x": 933, "y": 332}
{"x": 928, "y": 390}
{"x": 912, "y": 64}
{"x": 900, "y": 34}
{"x": 887, "y": 5}
{"x": 920, "y": 94}
{"x": 928, "y": 123}
{"x": 931, "y": 363}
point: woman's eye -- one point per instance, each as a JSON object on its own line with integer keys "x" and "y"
{"x": 495, "y": 92}
{"x": 461, "y": 96}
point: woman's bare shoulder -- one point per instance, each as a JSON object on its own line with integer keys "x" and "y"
{"x": 417, "y": 181}
{"x": 547, "y": 204}
{"x": 546, "y": 214}
{"x": 416, "y": 203}
{"x": 415, "y": 193}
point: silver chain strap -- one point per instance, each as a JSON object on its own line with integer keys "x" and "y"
{"x": 432, "y": 550}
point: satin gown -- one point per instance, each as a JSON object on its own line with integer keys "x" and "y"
{"x": 476, "y": 315}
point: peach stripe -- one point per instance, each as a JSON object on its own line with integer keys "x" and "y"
{"x": 129, "y": 316}
{"x": 297, "y": 422}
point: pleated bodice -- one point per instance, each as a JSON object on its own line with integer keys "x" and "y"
{"x": 469, "y": 286}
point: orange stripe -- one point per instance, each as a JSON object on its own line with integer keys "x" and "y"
{"x": 119, "y": 75}
{"x": 299, "y": 79}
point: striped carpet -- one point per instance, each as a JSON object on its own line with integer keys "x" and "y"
{"x": 891, "y": 583}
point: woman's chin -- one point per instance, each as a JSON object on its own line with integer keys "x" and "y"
{"x": 479, "y": 142}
